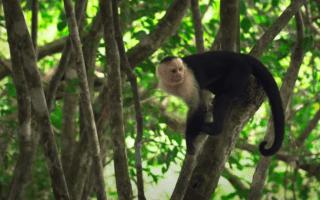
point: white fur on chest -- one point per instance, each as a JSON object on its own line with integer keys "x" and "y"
{"x": 188, "y": 90}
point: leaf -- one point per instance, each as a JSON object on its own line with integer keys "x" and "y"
{"x": 62, "y": 25}
{"x": 148, "y": 66}
{"x": 275, "y": 3}
{"x": 243, "y": 8}
{"x": 140, "y": 35}
{"x": 246, "y": 25}
{"x": 62, "y": 22}
{"x": 155, "y": 178}
{"x": 307, "y": 43}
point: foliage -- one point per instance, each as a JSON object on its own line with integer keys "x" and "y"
{"x": 163, "y": 143}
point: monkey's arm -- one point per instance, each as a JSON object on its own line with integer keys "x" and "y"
{"x": 195, "y": 121}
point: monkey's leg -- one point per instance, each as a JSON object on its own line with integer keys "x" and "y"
{"x": 195, "y": 121}
{"x": 234, "y": 84}
{"x": 221, "y": 110}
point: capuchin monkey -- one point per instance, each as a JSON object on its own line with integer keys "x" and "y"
{"x": 225, "y": 74}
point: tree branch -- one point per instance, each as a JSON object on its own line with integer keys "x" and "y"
{"x": 21, "y": 47}
{"x": 86, "y": 100}
{"x": 262, "y": 169}
{"x": 134, "y": 84}
{"x": 124, "y": 187}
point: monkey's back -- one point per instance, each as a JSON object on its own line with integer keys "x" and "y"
{"x": 210, "y": 68}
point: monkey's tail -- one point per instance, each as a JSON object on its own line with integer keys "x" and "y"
{"x": 270, "y": 87}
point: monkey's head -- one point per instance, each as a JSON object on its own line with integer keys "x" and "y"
{"x": 171, "y": 71}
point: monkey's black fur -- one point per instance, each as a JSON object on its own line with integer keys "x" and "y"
{"x": 226, "y": 74}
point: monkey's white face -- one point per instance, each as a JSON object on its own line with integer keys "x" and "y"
{"x": 172, "y": 72}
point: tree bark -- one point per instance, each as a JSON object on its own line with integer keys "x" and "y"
{"x": 261, "y": 172}
{"x": 124, "y": 187}
{"x": 20, "y": 43}
{"x": 86, "y": 100}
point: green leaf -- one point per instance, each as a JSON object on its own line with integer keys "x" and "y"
{"x": 275, "y": 3}
{"x": 2, "y": 20}
{"x": 140, "y": 35}
{"x": 62, "y": 25}
{"x": 307, "y": 43}
{"x": 246, "y": 25}
{"x": 243, "y": 8}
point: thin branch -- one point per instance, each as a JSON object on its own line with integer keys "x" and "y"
{"x": 124, "y": 187}
{"x": 206, "y": 8}
{"x": 307, "y": 131}
{"x": 275, "y": 29}
{"x": 234, "y": 180}
{"x": 310, "y": 166}
{"x": 56, "y": 78}
{"x": 34, "y": 26}
{"x": 86, "y": 100}
{"x": 165, "y": 29}
{"x": 78, "y": 175}
{"x": 262, "y": 169}
{"x": 137, "y": 106}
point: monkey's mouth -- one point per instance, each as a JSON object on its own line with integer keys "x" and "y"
{"x": 177, "y": 80}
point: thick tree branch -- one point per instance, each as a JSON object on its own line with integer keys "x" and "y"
{"x": 196, "y": 17}
{"x": 21, "y": 47}
{"x": 27, "y": 141}
{"x": 229, "y": 20}
{"x": 68, "y": 129}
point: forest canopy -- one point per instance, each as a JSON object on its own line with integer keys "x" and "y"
{"x": 81, "y": 115}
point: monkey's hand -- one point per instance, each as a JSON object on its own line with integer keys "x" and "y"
{"x": 210, "y": 129}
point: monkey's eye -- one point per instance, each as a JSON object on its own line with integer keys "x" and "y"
{"x": 180, "y": 69}
{"x": 174, "y": 71}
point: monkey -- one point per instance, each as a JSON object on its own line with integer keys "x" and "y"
{"x": 225, "y": 74}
